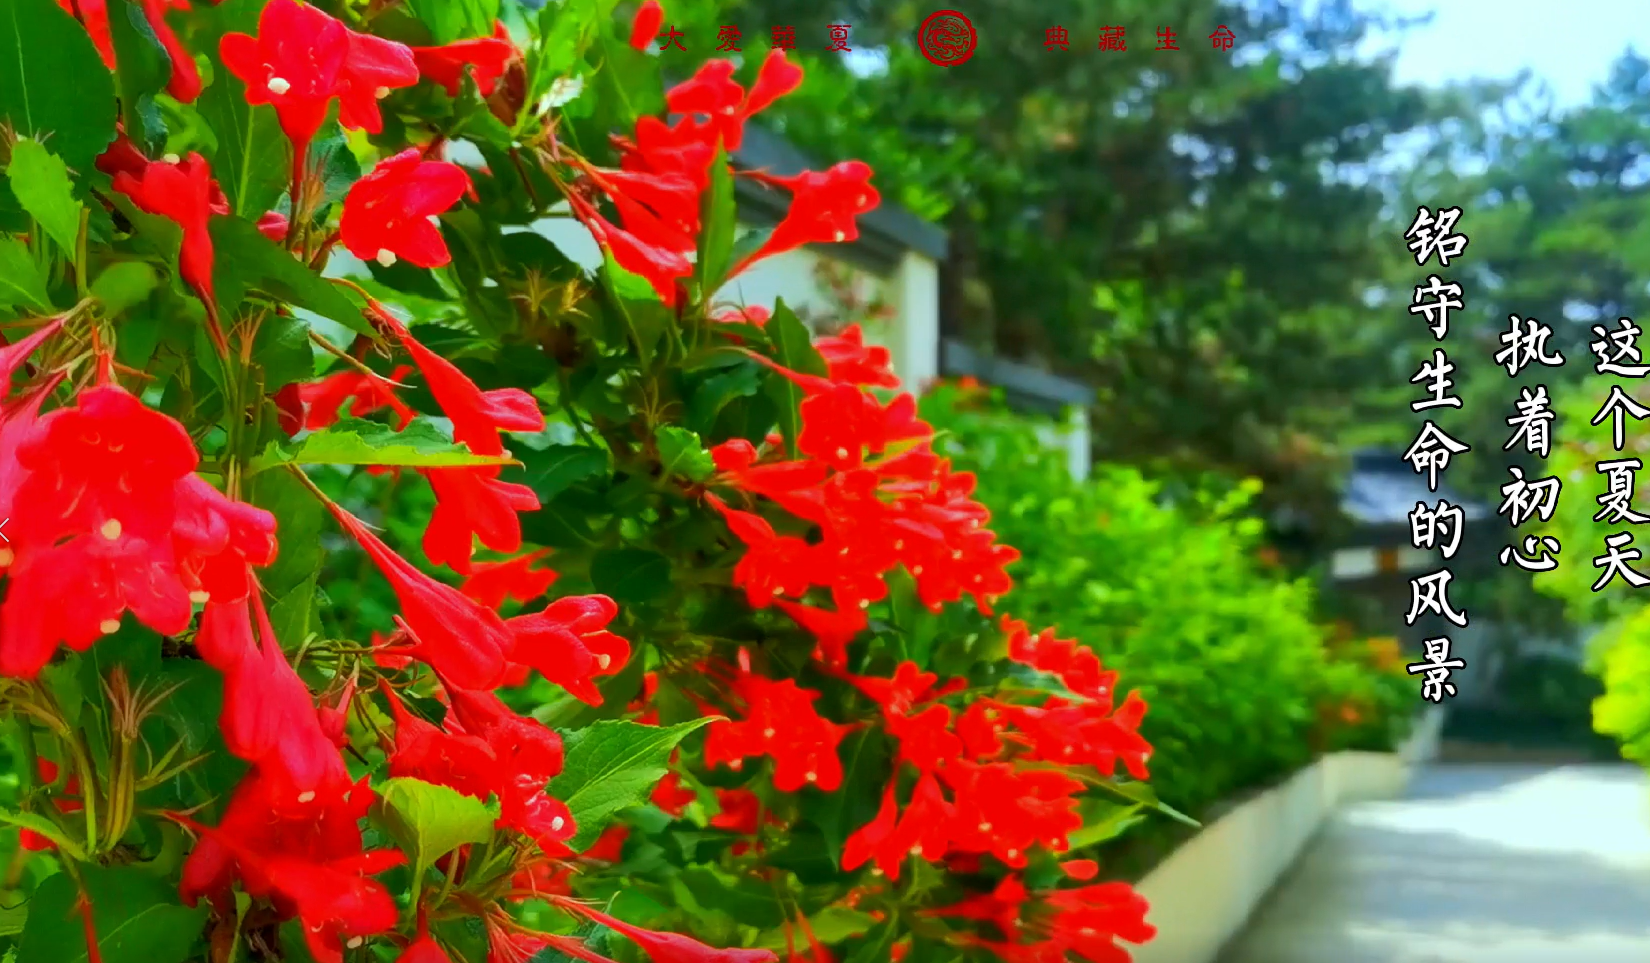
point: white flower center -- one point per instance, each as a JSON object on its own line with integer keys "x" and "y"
{"x": 172, "y": 158}
{"x": 279, "y": 85}
{"x": 111, "y": 529}
{"x": 385, "y": 257}
{"x": 109, "y": 626}
{"x": 306, "y": 796}
{"x": 381, "y": 93}
{"x": 556, "y": 824}
{"x": 200, "y": 596}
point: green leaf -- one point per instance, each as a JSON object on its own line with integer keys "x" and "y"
{"x": 20, "y": 282}
{"x": 13, "y": 919}
{"x": 717, "y": 215}
{"x": 355, "y": 441}
{"x": 749, "y": 900}
{"x": 136, "y": 915}
{"x": 831, "y": 925}
{"x": 430, "y": 821}
{"x": 290, "y": 616}
{"x": 630, "y": 575}
{"x": 41, "y": 184}
{"x": 553, "y": 470}
{"x": 44, "y": 827}
{"x": 53, "y": 85}
{"x": 1143, "y": 794}
{"x": 299, "y": 520}
{"x": 865, "y": 759}
{"x": 124, "y": 284}
{"x": 682, "y": 453}
{"x": 143, "y": 69}
{"x": 793, "y": 348}
{"x": 627, "y": 284}
{"x": 251, "y": 160}
{"x": 283, "y": 350}
{"x": 246, "y": 260}
{"x": 610, "y": 766}
{"x": 450, "y": 20}
{"x": 1104, "y": 820}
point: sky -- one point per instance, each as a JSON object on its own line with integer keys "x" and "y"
{"x": 1567, "y": 43}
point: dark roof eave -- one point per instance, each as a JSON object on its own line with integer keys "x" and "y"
{"x": 887, "y": 230}
{"x": 1031, "y": 387}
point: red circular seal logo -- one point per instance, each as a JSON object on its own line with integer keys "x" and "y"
{"x": 946, "y": 38}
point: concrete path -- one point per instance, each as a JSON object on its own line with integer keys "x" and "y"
{"x": 1479, "y": 863}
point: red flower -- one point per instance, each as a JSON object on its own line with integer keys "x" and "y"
{"x": 389, "y": 213}
{"x": 446, "y": 65}
{"x": 118, "y": 522}
{"x": 1003, "y": 906}
{"x": 645, "y": 28}
{"x": 12, "y": 356}
{"x": 309, "y": 863}
{"x": 486, "y": 750}
{"x": 273, "y": 225}
{"x": 185, "y": 193}
{"x": 317, "y": 402}
{"x": 423, "y": 950}
{"x": 464, "y": 642}
{"x": 372, "y": 68}
{"x": 94, "y": 14}
{"x": 831, "y": 630}
{"x": 850, "y": 360}
{"x": 478, "y": 416}
{"x": 1089, "y": 920}
{"x": 671, "y": 796}
{"x": 472, "y": 504}
{"x": 294, "y": 63}
{"x": 673, "y": 947}
{"x": 491, "y": 583}
{"x": 823, "y": 208}
{"x": 471, "y": 501}
{"x": 780, "y": 721}
{"x": 712, "y": 92}
{"x": 568, "y": 643}
{"x": 185, "y": 82}
{"x": 269, "y": 715}
{"x": 659, "y": 265}
{"x": 923, "y": 829}
{"x": 775, "y": 565}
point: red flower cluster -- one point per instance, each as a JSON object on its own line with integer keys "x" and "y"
{"x": 471, "y": 502}
{"x": 1084, "y": 922}
{"x": 900, "y": 507}
{"x": 866, "y": 495}
{"x": 779, "y": 721}
{"x": 117, "y": 521}
{"x": 666, "y": 168}
{"x": 313, "y": 405}
{"x": 485, "y": 750}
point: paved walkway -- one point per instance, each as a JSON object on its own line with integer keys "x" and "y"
{"x": 1478, "y": 864}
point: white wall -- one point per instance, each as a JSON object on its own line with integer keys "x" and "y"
{"x": 1072, "y": 437}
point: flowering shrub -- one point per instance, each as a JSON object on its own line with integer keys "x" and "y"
{"x": 723, "y": 678}
{"x": 1163, "y": 590}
